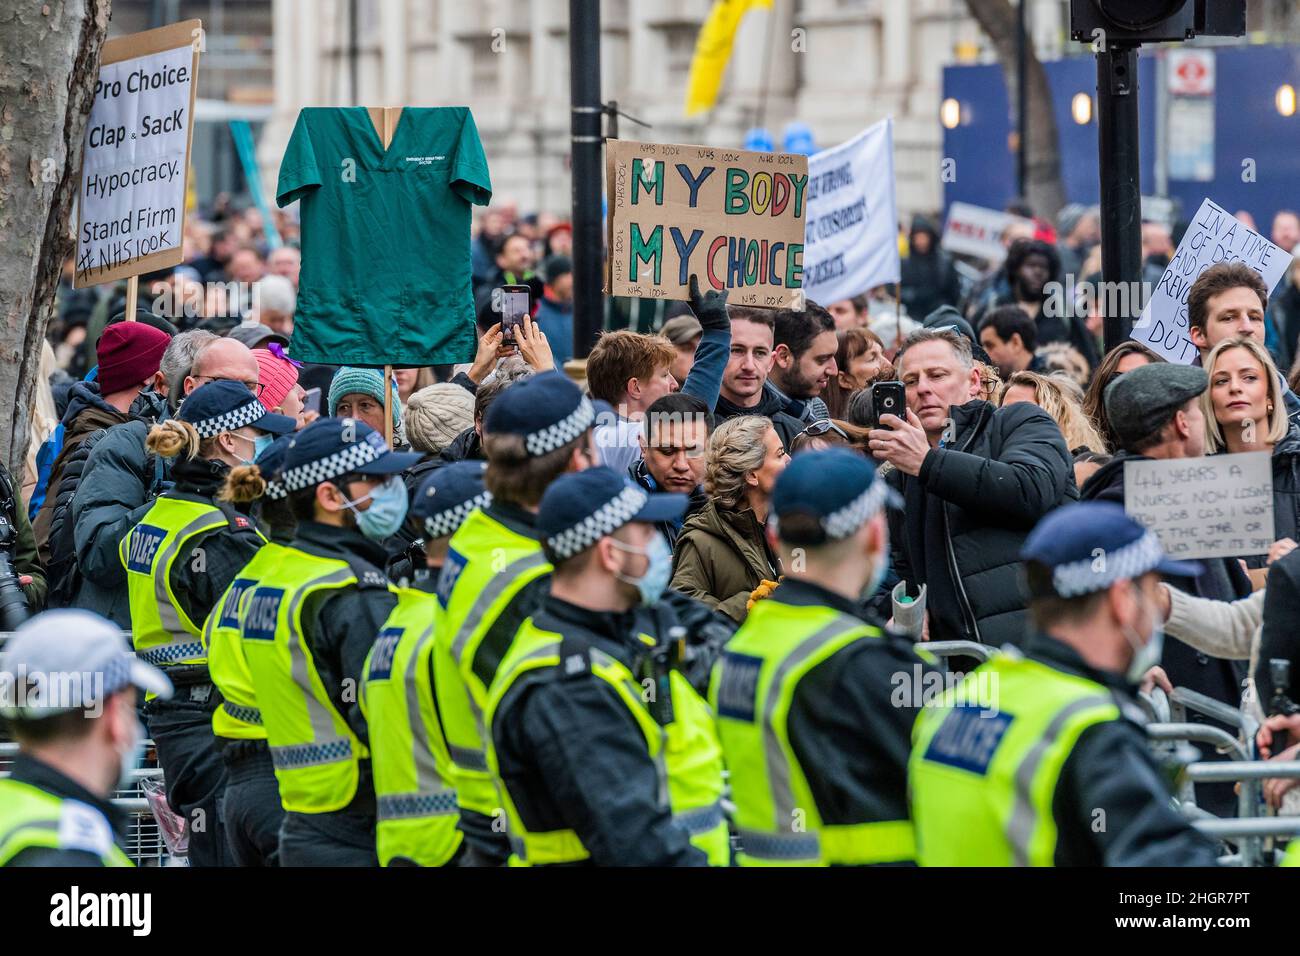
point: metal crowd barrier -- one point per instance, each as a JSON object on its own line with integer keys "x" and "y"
{"x": 946, "y": 649}
{"x": 1253, "y": 833}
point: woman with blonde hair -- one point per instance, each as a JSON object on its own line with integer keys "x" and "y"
{"x": 1244, "y": 411}
{"x": 179, "y": 559}
{"x": 722, "y": 555}
{"x": 1062, "y": 399}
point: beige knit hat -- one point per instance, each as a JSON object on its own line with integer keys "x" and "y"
{"x": 436, "y": 414}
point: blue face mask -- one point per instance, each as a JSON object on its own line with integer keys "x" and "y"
{"x": 658, "y": 572}
{"x": 260, "y": 444}
{"x": 387, "y": 511}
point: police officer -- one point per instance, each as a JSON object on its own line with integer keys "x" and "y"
{"x": 251, "y": 812}
{"x": 306, "y": 628}
{"x": 1041, "y": 759}
{"x": 414, "y": 781}
{"x": 495, "y": 576}
{"x": 74, "y": 751}
{"x": 813, "y": 725}
{"x": 604, "y": 755}
{"x": 179, "y": 558}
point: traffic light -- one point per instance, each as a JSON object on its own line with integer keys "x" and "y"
{"x": 1132, "y": 22}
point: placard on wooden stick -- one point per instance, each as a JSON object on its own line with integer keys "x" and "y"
{"x": 135, "y": 167}
{"x": 732, "y": 217}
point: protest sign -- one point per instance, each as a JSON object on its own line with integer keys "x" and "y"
{"x": 733, "y": 218}
{"x": 1219, "y": 506}
{"x": 136, "y": 159}
{"x": 852, "y": 230}
{"x": 1214, "y": 236}
{"x": 976, "y": 231}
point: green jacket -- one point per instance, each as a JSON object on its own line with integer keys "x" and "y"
{"x": 720, "y": 557}
{"x": 23, "y": 553}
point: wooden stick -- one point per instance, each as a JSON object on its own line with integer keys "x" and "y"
{"x": 898, "y": 315}
{"x": 132, "y": 294}
{"x": 388, "y": 405}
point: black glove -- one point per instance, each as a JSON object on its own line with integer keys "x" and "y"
{"x": 711, "y": 309}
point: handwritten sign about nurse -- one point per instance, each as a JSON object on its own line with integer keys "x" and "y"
{"x": 732, "y": 217}
{"x": 1214, "y": 236}
{"x": 1220, "y": 506}
{"x": 136, "y": 159}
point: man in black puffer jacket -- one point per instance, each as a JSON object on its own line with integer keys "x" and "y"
{"x": 975, "y": 480}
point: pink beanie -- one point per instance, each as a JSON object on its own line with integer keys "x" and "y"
{"x": 278, "y": 377}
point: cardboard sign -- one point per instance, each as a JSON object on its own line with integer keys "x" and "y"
{"x": 976, "y": 231}
{"x": 852, "y": 244}
{"x": 1214, "y": 236}
{"x": 1219, "y": 506}
{"x": 137, "y": 155}
{"x": 733, "y": 218}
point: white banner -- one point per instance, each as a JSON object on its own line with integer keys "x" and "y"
{"x": 1214, "y": 236}
{"x": 851, "y": 234}
{"x": 976, "y": 231}
{"x": 132, "y": 198}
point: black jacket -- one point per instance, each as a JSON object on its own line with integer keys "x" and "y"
{"x": 1111, "y": 804}
{"x": 847, "y": 733}
{"x": 697, "y": 499}
{"x": 770, "y": 404}
{"x": 1286, "y": 492}
{"x": 928, "y": 281}
{"x": 573, "y": 758}
{"x": 116, "y": 486}
{"x": 1281, "y": 636}
{"x": 27, "y": 769}
{"x": 967, "y": 513}
{"x": 200, "y": 578}
{"x": 1223, "y": 580}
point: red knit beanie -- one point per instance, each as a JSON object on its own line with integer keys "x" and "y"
{"x": 278, "y": 377}
{"x": 128, "y": 353}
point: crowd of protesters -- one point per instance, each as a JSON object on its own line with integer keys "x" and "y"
{"x": 1013, "y": 411}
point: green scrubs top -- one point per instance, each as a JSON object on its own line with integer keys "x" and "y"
{"x": 385, "y": 235}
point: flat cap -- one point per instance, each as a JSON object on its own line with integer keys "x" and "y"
{"x": 681, "y": 329}
{"x": 1140, "y": 402}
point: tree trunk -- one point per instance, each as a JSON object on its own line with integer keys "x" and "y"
{"x": 1044, "y": 189}
{"x": 49, "y": 60}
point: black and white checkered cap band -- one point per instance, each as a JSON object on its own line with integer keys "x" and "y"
{"x": 609, "y": 517}
{"x": 446, "y": 522}
{"x": 562, "y": 432}
{"x": 238, "y": 418}
{"x": 332, "y": 466}
{"x": 275, "y": 490}
{"x": 842, "y": 523}
{"x": 1096, "y": 573}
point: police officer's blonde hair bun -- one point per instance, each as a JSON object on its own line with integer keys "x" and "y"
{"x": 172, "y": 437}
{"x": 244, "y": 483}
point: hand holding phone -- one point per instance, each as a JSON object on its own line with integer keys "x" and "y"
{"x": 887, "y": 398}
{"x": 513, "y": 302}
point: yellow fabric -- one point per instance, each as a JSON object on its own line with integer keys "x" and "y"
{"x": 713, "y": 51}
